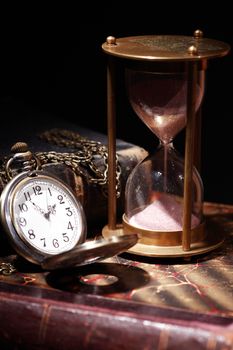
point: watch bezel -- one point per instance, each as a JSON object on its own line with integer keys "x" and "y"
{"x": 19, "y": 243}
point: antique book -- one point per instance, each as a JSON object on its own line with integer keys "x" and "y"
{"x": 79, "y": 157}
{"x": 124, "y": 302}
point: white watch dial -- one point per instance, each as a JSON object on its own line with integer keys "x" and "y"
{"x": 42, "y": 216}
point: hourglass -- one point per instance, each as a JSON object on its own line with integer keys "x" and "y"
{"x": 154, "y": 191}
{"x": 164, "y": 193}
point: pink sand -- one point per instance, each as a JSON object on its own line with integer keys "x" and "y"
{"x": 164, "y": 214}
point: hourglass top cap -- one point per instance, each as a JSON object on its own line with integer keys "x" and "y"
{"x": 166, "y": 47}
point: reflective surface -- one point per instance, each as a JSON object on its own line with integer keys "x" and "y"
{"x": 90, "y": 252}
{"x": 154, "y": 190}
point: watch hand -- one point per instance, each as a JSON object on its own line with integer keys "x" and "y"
{"x": 51, "y": 209}
{"x": 46, "y": 215}
{"x": 40, "y": 210}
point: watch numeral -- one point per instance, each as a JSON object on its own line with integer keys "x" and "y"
{"x": 31, "y": 234}
{"x": 55, "y": 243}
{"x": 22, "y": 221}
{"x": 70, "y": 226}
{"x": 69, "y": 212}
{"x": 27, "y": 196}
{"x": 44, "y": 244}
{"x": 23, "y": 207}
{"x": 49, "y": 191}
{"x": 60, "y": 198}
{"x": 37, "y": 190}
{"x": 65, "y": 237}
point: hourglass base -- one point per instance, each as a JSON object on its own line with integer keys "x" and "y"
{"x": 210, "y": 239}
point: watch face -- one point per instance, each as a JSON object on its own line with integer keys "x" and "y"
{"x": 42, "y": 216}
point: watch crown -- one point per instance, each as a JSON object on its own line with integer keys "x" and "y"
{"x": 19, "y": 147}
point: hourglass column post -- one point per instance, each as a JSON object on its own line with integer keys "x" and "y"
{"x": 197, "y": 141}
{"x": 111, "y": 115}
{"x": 189, "y": 147}
{"x": 198, "y": 35}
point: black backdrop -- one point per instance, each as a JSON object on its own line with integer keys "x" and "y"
{"x": 52, "y": 62}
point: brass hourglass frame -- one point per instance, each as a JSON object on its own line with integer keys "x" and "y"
{"x": 163, "y": 52}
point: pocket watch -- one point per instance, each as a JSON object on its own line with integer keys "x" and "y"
{"x": 39, "y": 212}
{"x": 44, "y": 221}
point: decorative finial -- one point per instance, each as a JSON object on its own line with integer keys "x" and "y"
{"x": 198, "y": 34}
{"x": 111, "y": 40}
{"x": 192, "y": 50}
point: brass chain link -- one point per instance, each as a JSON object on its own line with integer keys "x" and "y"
{"x": 87, "y": 158}
{"x": 7, "y": 268}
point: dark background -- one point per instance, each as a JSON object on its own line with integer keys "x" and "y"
{"x": 53, "y": 69}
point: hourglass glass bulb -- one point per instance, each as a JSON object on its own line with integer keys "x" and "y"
{"x": 160, "y": 100}
{"x": 154, "y": 191}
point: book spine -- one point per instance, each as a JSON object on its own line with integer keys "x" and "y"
{"x": 33, "y": 323}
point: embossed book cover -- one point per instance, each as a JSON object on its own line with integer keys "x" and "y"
{"x": 127, "y": 301}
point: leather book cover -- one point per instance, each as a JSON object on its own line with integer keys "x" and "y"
{"x": 124, "y": 302}
{"x": 61, "y": 152}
